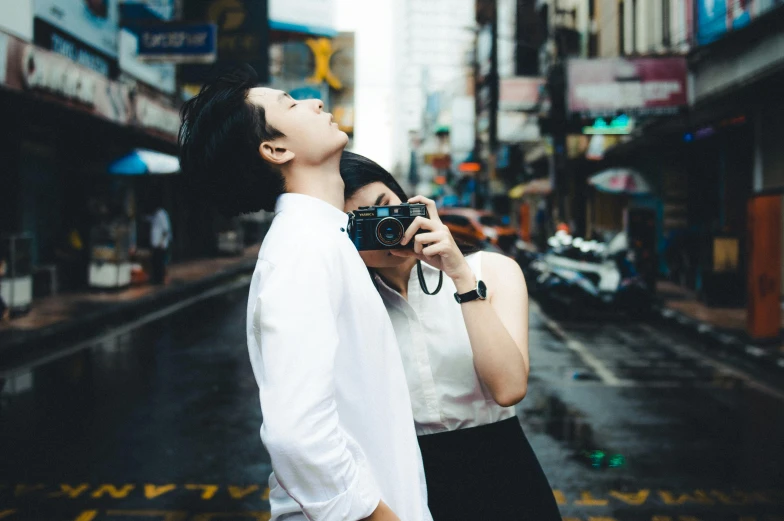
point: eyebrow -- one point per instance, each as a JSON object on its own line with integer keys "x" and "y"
{"x": 283, "y": 95}
{"x": 379, "y": 199}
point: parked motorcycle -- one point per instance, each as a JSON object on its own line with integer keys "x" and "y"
{"x": 576, "y": 275}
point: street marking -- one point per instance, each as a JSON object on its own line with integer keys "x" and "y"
{"x": 166, "y": 515}
{"x": 153, "y": 491}
{"x": 71, "y": 492}
{"x": 635, "y": 499}
{"x": 258, "y": 516}
{"x": 587, "y": 357}
{"x": 698, "y": 497}
{"x": 587, "y": 500}
{"x": 209, "y": 490}
{"x": 127, "y": 328}
{"x": 728, "y": 370}
{"x": 87, "y": 515}
{"x": 239, "y": 493}
{"x": 163, "y": 494}
{"x": 21, "y": 490}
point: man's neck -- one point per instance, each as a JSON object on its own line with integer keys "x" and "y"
{"x": 320, "y": 181}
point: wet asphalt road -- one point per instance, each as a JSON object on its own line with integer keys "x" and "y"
{"x": 161, "y": 423}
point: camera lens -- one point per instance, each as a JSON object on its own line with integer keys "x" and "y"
{"x": 389, "y": 231}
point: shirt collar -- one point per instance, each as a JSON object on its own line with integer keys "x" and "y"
{"x": 313, "y": 207}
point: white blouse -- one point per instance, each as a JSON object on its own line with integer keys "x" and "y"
{"x": 446, "y": 392}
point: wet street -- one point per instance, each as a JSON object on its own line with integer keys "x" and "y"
{"x": 160, "y": 422}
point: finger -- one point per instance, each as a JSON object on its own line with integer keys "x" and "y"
{"x": 432, "y": 211}
{"x": 416, "y": 225}
{"x": 429, "y": 238}
{"x": 435, "y": 249}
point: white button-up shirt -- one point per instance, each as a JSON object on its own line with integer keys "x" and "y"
{"x": 337, "y": 419}
{"x": 446, "y": 392}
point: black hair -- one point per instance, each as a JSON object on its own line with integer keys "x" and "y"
{"x": 219, "y": 143}
{"x": 358, "y": 171}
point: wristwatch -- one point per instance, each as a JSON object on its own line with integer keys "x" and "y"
{"x": 480, "y": 292}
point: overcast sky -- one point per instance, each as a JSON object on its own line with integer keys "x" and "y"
{"x": 370, "y": 20}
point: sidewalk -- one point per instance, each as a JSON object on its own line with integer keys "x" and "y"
{"x": 724, "y": 328}
{"x": 66, "y": 317}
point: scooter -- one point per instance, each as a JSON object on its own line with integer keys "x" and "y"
{"x": 577, "y": 275}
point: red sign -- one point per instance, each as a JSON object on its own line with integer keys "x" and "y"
{"x": 520, "y": 93}
{"x": 53, "y": 77}
{"x": 644, "y": 86}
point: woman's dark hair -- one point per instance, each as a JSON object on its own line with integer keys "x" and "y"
{"x": 219, "y": 146}
{"x": 358, "y": 171}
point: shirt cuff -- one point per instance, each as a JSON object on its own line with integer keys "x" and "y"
{"x": 359, "y": 500}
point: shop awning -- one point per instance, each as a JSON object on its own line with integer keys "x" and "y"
{"x": 535, "y": 187}
{"x": 142, "y": 161}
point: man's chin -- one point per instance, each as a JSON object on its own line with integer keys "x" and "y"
{"x": 344, "y": 137}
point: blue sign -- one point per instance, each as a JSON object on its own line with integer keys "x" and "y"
{"x": 178, "y": 42}
{"x": 717, "y": 17}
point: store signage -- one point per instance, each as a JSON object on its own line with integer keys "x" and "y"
{"x": 242, "y": 35}
{"x": 48, "y": 72}
{"x": 469, "y": 167}
{"x": 139, "y": 14}
{"x": 93, "y": 22}
{"x": 715, "y": 18}
{"x": 635, "y": 86}
{"x": 620, "y": 125}
{"x": 178, "y": 43}
{"x": 154, "y": 116}
{"x": 61, "y": 42}
{"x": 316, "y": 17}
{"x": 521, "y": 93}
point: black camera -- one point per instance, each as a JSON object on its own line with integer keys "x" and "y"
{"x": 383, "y": 227}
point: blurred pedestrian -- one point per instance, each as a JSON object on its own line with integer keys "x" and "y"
{"x": 337, "y": 419}
{"x": 465, "y": 351}
{"x": 160, "y": 239}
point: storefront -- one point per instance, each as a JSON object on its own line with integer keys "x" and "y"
{"x": 65, "y": 123}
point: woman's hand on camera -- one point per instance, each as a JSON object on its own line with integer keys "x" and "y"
{"x": 435, "y": 245}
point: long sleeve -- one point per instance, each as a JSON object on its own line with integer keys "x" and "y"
{"x": 314, "y": 460}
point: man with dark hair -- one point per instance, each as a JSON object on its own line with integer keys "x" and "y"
{"x": 336, "y": 411}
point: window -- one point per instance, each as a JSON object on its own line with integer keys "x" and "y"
{"x": 666, "y": 36}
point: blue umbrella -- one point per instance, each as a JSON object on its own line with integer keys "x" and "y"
{"x": 142, "y": 161}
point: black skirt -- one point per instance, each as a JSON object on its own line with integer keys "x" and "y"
{"x": 486, "y": 473}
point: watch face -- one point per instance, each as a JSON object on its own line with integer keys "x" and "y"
{"x": 481, "y": 290}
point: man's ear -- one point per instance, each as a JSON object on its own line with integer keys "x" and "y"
{"x": 275, "y": 154}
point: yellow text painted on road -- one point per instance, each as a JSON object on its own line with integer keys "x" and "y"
{"x": 211, "y": 491}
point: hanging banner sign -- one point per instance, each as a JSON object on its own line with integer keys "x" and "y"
{"x": 178, "y": 43}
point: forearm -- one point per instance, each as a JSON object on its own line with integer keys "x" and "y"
{"x": 382, "y": 513}
{"x": 497, "y": 357}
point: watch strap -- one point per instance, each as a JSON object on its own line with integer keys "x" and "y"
{"x": 466, "y": 297}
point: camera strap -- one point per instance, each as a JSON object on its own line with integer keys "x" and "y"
{"x": 422, "y": 282}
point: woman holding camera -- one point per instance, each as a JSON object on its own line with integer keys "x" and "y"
{"x": 465, "y": 353}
